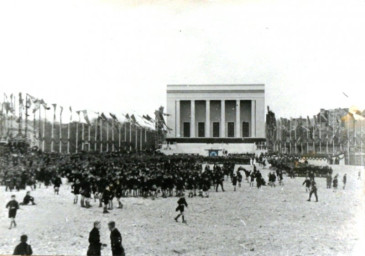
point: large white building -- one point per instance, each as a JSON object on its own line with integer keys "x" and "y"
{"x": 215, "y": 119}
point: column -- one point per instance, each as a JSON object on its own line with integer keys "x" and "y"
{"x": 223, "y": 119}
{"x": 192, "y": 117}
{"x": 177, "y": 126}
{"x": 238, "y": 119}
{"x": 253, "y": 119}
{"x": 207, "y": 118}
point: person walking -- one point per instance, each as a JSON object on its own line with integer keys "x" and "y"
{"x": 313, "y": 191}
{"x": 13, "y": 206}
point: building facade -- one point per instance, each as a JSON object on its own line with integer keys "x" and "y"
{"x": 216, "y": 114}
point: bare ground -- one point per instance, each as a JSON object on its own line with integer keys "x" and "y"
{"x": 269, "y": 221}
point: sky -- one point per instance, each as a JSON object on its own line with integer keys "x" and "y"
{"x": 118, "y": 56}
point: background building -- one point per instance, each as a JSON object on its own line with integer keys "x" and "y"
{"x": 215, "y": 119}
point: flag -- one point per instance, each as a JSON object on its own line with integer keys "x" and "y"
{"x": 28, "y": 102}
{"x": 44, "y": 104}
{"x": 86, "y": 117}
{"x": 133, "y": 119}
{"x": 103, "y": 117}
{"x": 21, "y": 101}
{"x": 70, "y": 114}
{"x": 148, "y": 118}
{"x": 113, "y": 116}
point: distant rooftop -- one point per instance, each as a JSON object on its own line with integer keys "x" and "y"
{"x": 215, "y": 87}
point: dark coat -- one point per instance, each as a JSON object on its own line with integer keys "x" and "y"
{"x": 116, "y": 243}
{"x": 95, "y": 245}
{"x": 23, "y": 249}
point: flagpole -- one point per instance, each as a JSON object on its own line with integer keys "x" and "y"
{"x": 5, "y": 116}
{"x": 52, "y": 127}
{"x": 119, "y": 136}
{"x": 82, "y": 136}
{"x": 314, "y": 138}
{"x": 327, "y": 140}
{"x": 125, "y": 134}
{"x": 101, "y": 135}
{"x": 141, "y": 140}
{"x": 26, "y": 117}
{"x": 113, "y": 135}
{"x": 12, "y": 100}
{"x": 107, "y": 136}
{"x": 130, "y": 136}
{"x": 39, "y": 126}
{"x": 295, "y": 139}
{"x": 96, "y": 135}
{"x": 333, "y": 137}
{"x": 348, "y": 140}
{"x": 89, "y": 137}
{"x": 20, "y": 114}
{"x": 136, "y": 138}
{"x": 60, "y": 133}
{"x": 320, "y": 136}
{"x": 77, "y": 133}
{"x": 69, "y": 132}
{"x": 290, "y": 149}
{"x": 44, "y": 129}
{"x": 307, "y": 135}
{"x": 361, "y": 157}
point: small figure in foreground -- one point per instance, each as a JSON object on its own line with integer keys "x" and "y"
{"x": 335, "y": 183}
{"x": 181, "y": 207}
{"x": 95, "y": 246}
{"x": 28, "y": 199}
{"x": 115, "y": 240}
{"x": 313, "y": 191}
{"x": 23, "y": 248}
{"x": 13, "y": 208}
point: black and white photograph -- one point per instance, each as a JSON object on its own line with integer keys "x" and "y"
{"x": 186, "y": 127}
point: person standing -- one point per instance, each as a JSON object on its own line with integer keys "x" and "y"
{"x": 335, "y": 182}
{"x": 329, "y": 179}
{"x": 94, "y": 241}
{"x": 57, "y": 183}
{"x": 13, "y": 206}
{"x": 115, "y": 240}
{"x": 23, "y": 248}
{"x": 344, "y": 180}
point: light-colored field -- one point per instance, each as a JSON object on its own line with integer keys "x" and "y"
{"x": 269, "y": 221}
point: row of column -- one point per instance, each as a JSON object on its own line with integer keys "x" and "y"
{"x": 223, "y": 119}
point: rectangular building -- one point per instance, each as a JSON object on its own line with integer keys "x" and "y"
{"x": 216, "y": 114}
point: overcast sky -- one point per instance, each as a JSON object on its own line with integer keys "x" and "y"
{"x": 119, "y": 55}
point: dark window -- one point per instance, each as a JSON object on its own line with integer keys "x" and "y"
{"x": 186, "y": 129}
{"x": 230, "y": 129}
{"x": 245, "y": 129}
{"x": 201, "y": 129}
{"x": 216, "y": 129}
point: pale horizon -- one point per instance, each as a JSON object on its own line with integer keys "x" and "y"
{"x": 118, "y": 56}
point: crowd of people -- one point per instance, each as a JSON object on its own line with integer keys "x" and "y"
{"x": 108, "y": 176}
